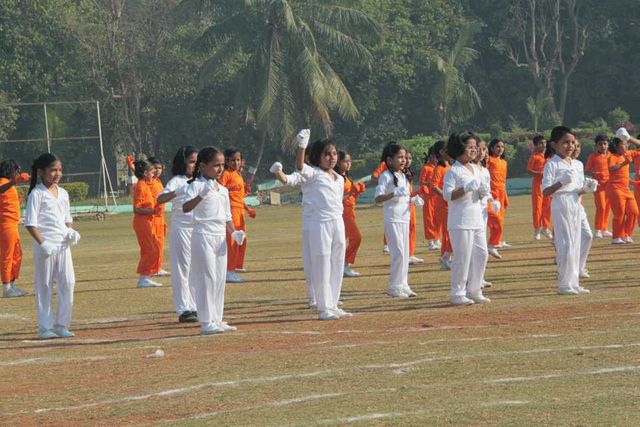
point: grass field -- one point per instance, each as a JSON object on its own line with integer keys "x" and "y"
{"x": 530, "y": 357}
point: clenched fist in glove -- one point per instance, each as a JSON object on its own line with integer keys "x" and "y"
{"x": 590, "y": 185}
{"x": 484, "y": 190}
{"x": 48, "y": 248}
{"x": 209, "y": 186}
{"x": 238, "y": 237}
{"x": 623, "y": 134}
{"x": 495, "y": 206}
{"x": 417, "y": 201}
{"x": 303, "y": 138}
{"x": 566, "y": 178}
{"x": 401, "y": 192}
{"x": 276, "y": 167}
{"x": 471, "y": 185}
{"x": 73, "y": 237}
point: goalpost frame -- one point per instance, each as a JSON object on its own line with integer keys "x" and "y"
{"x": 104, "y": 172}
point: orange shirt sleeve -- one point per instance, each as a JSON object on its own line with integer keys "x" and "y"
{"x": 234, "y": 182}
{"x": 588, "y": 167}
{"x": 381, "y": 168}
{"x": 142, "y": 197}
{"x": 9, "y": 204}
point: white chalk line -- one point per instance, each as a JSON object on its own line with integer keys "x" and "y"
{"x": 36, "y": 360}
{"x": 391, "y": 366}
{"x": 598, "y": 371}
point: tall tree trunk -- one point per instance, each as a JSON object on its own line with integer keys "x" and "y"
{"x": 252, "y": 176}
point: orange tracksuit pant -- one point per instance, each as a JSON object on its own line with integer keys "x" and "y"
{"x": 10, "y": 252}
{"x": 496, "y": 220}
{"x": 431, "y": 232}
{"x": 352, "y": 233}
{"x": 145, "y": 230}
{"x": 603, "y": 207}
{"x": 159, "y": 232}
{"x": 536, "y": 205}
{"x": 441, "y": 213}
{"x": 546, "y": 212}
{"x": 233, "y": 250}
{"x": 624, "y": 208}
{"x": 413, "y": 231}
{"x": 636, "y": 194}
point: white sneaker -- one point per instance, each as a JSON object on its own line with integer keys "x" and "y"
{"x": 146, "y": 282}
{"x": 232, "y": 277}
{"x": 211, "y": 329}
{"x": 598, "y": 234}
{"x": 537, "y": 235}
{"x": 547, "y": 233}
{"x": 340, "y": 303}
{"x": 46, "y": 334}
{"x": 311, "y": 304}
{"x": 618, "y": 241}
{"x": 341, "y": 313}
{"x": 20, "y": 291}
{"x": 480, "y": 299}
{"x": 348, "y": 272}
{"x": 445, "y": 262}
{"x": 11, "y": 292}
{"x": 567, "y": 291}
{"x": 226, "y": 327}
{"x": 385, "y": 249}
{"x": 432, "y": 245}
{"x": 486, "y": 284}
{"x": 409, "y": 292}
{"x": 397, "y": 293}
{"x": 63, "y": 332}
{"x": 584, "y": 274}
{"x": 162, "y": 273}
{"x": 606, "y": 233}
{"x": 627, "y": 239}
{"x": 461, "y": 300}
{"x": 240, "y": 270}
{"x": 494, "y": 252}
{"x": 583, "y": 291}
{"x": 415, "y": 260}
{"x": 327, "y": 315}
{"x": 438, "y": 244}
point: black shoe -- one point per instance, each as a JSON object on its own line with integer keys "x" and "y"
{"x": 188, "y": 317}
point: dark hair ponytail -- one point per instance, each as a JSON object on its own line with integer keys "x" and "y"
{"x": 42, "y": 162}
{"x": 205, "y": 155}
{"x": 437, "y": 147}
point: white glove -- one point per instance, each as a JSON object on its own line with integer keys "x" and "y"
{"x": 471, "y": 185}
{"x": 484, "y": 190}
{"x": 276, "y": 167}
{"x": 623, "y": 134}
{"x": 566, "y": 178}
{"x": 417, "y": 201}
{"x": 401, "y": 192}
{"x": 73, "y": 237}
{"x": 48, "y": 248}
{"x": 180, "y": 191}
{"x": 590, "y": 185}
{"x": 495, "y": 206}
{"x": 303, "y": 138}
{"x": 238, "y": 237}
{"x": 208, "y": 187}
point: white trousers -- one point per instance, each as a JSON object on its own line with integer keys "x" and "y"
{"x": 207, "y": 275}
{"x": 306, "y": 262}
{"x": 467, "y": 269}
{"x": 566, "y": 212}
{"x": 397, "y": 234}
{"x": 586, "y": 238}
{"x": 327, "y": 249}
{"x": 59, "y": 268}
{"x": 180, "y": 255}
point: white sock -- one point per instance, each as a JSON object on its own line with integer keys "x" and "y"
{"x": 6, "y": 286}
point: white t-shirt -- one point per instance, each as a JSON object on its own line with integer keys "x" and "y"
{"x": 324, "y": 193}
{"x": 178, "y": 217}
{"x": 396, "y": 209}
{"x": 48, "y": 213}
{"x": 555, "y": 168}
{"x": 485, "y": 177}
{"x": 213, "y": 212}
{"x": 579, "y": 167}
{"x": 465, "y": 213}
{"x": 297, "y": 179}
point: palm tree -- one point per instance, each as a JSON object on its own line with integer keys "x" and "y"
{"x": 537, "y": 108}
{"x": 285, "y": 79}
{"x": 456, "y": 99}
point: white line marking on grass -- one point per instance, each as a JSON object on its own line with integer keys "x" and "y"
{"x": 374, "y": 416}
{"x": 102, "y": 321}
{"x": 598, "y": 371}
{"x": 35, "y": 360}
{"x": 504, "y": 403}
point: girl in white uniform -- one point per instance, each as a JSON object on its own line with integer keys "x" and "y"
{"x": 393, "y": 193}
{"x": 561, "y": 180}
{"x": 209, "y": 202}
{"x": 293, "y": 180}
{"x": 180, "y": 231}
{"x": 464, "y": 188}
{"x": 326, "y": 238}
{"x": 48, "y": 220}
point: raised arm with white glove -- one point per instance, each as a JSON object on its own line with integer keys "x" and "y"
{"x": 623, "y": 134}
{"x": 276, "y": 167}
{"x": 303, "y": 138}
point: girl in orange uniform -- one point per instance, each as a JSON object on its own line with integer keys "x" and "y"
{"x": 10, "y": 248}
{"x": 623, "y": 204}
{"x": 440, "y": 205}
{"x": 598, "y": 168}
{"x": 144, "y": 209}
{"x": 431, "y": 233}
{"x": 535, "y": 168}
{"x": 234, "y": 182}
{"x": 159, "y": 224}
{"x": 351, "y": 192}
{"x": 497, "y": 166}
